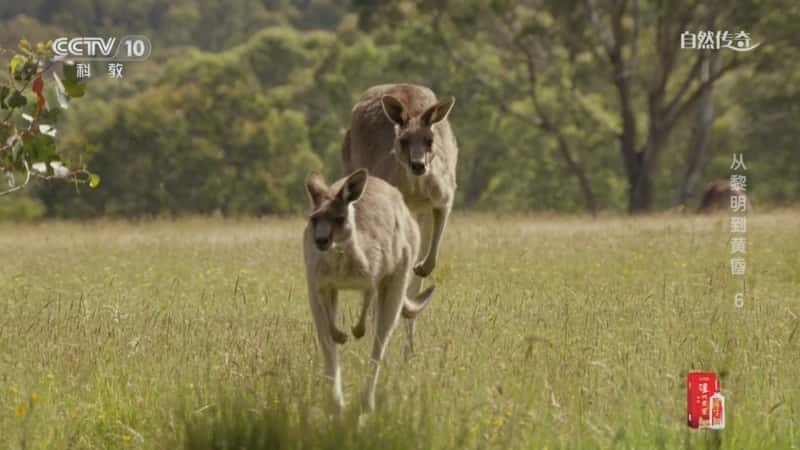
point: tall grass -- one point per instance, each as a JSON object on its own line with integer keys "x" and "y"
{"x": 284, "y": 422}
{"x": 543, "y": 333}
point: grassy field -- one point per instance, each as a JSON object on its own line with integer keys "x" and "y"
{"x": 545, "y": 332}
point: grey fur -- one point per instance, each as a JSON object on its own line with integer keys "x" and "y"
{"x": 361, "y": 236}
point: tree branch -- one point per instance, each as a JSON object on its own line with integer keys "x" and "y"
{"x": 687, "y": 81}
{"x": 453, "y": 55}
{"x": 606, "y": 40}
{"x": 666, "y": 48}
{"x": 542, "y": 119}
{"x": 672, "y": 115}
{"x": 20, "y": 186}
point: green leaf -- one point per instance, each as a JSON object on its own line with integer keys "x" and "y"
{"x": 94, "y": 180}
{"x": 70, "y": 72}
{"x": 15, "y": 64}
{"x": 17, "y": 100}
{"x": 39, "y": 148}
{"x": 72, "y": 84}
{"x": 27, "y": 71}
{"x": 74, "y": 90}
{"x": 4, "y": 91}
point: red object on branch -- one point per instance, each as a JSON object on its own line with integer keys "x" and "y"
{"x": 38, "y": 87}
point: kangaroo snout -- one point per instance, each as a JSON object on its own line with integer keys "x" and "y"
{"x": 323, "y": 243}
{"x": 418, "y": 168}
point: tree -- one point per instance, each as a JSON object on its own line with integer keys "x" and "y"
{"x": 664, "y": 106}
{"x": 696, "y": 157}
{"x": 557, "y": 101}
{"x": 561, "y": 57}
{"x": 27, "y": 133}
{"x": 522, "y": 37}
{"x": 218, "y": 132}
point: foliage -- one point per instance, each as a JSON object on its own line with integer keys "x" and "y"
{"x": 207, "y": 24}
{"x": 27, "y": 130}
{"x": 228, "y": 118}
{"x": 217, "y": 133}
{"x": 21, "y": 207}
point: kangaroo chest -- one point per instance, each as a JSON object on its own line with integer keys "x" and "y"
{"x": 344, "y": 268}
{"x": 422, "y": 193}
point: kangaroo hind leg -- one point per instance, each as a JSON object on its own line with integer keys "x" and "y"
{"x": 330, "y": 353}
{"x": 361, "y": 327}
{"x": 387, "y": 312}
{"x": 331, "y": 304}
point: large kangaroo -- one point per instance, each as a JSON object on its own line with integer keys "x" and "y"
{"x": 360, "y": 236}
{"x": 401, "y": 134}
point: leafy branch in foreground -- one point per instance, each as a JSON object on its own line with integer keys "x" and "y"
{"x": 27, "y": 136}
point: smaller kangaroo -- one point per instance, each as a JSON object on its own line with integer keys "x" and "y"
{"x": 360, "y": 236}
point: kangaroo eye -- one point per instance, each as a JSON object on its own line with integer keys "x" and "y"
{"x": 404, "y": 142}
{"x": 429, "y": 142}
{"x": 339, "y": 220}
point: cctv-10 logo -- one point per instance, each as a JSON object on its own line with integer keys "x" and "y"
{"x": 129, "y": 48}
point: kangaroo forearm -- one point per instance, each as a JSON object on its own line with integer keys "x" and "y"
{"x": 439, "y": 222}
{"x": 425, "y": 268}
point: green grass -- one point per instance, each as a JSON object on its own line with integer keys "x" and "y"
{"x": 545, "y": 332}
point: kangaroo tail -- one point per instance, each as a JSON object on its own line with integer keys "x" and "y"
{"x": 413, "y": 307}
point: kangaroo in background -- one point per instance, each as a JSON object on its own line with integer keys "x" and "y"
{"x": 360, "y": 236}
{"x": 401, "y": 134}
{"x": 717, "y": 196}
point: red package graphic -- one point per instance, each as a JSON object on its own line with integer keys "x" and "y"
{"x": 701, "y": 387}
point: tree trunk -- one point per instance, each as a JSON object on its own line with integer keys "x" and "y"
{"x": 588, "y": 195}
{"x": 480, "y": 174}
{"x": 700, "y": 133}
{"x": 576, "y": 168}
{"x": 641, "y": 193}
{"x": 641, "y": 183}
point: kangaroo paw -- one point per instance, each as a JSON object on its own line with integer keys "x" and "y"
{"x": 359, "y": 330}
{"x": 424, "y": 268}
{"x": 338, "y": 336}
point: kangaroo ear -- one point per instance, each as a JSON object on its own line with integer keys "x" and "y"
{"x": 354, "y": 186}
{"x": 394, "y": 110}
{"x": 439, "y": 111}
{"x": 316, "y": 188}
